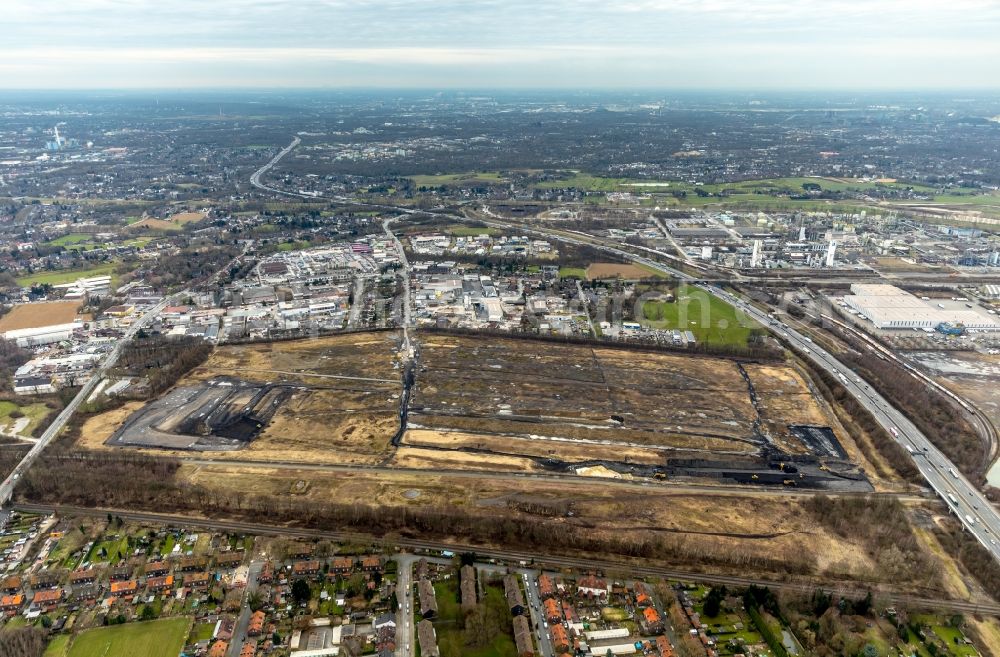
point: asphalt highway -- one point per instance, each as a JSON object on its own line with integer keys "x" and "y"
{"x": 976, "y": 513}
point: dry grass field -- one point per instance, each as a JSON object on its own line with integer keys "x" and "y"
{"x": 34, "y": 315}
{"x": 155, "y": 224}
{"x": 602, "y": 270}
{"x": 771, "y": 529}
{"x": 187, "y": 217}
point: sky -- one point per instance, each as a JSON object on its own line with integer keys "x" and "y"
{"x": 520, "y": 44}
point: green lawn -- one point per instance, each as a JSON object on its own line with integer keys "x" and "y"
{"x": 715, "y": 323}
{"x": 57, "y": 647}
{"x": 160, "y": 638}
{"x": 34, "y": 412}
{"x": 294, "y": 246}
{"x": 65, "y": 275}
{"x": 114, "y": 550}
{"x": 573, "y": 272}
{"x": 451, "y": 638}
{"x": 71, "y": 238}
{"x": 470, "y": 231}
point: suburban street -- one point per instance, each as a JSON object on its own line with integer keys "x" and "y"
{"x": 404, "y": 593}
{"x": 240, "y": 630}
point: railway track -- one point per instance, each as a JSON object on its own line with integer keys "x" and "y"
{"x": 542, "y": 561}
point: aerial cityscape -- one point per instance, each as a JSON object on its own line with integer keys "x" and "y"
{"x": 454, "y": 351}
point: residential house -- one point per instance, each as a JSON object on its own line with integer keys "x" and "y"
{"x": 305, "y": 568}
{"x": 46, "y": 600}
{"x": 229, "y": 559}
{"x": 82, "y": 576}
{"x": 11, "y": 584}
{"x": 592, "y": 587}
{"x": 341, "y": 566}
{"x": 249, "y": 649}
{"x": 121, "y": 573}
{"x": 664, "y": 646}
{"x": 160, "y": 584}
{"x": 197, "y": 580}
{"x": 193, "y": 564}
{"x": 512, "y": 590}
{"x": 256, "y": 627}
{"x": 45, "y": 579}
{"x": 427, "y": 638}
{"x": 522, "y": 637}
{"x": 650, "y": 621}
{"x": 157, "y": 568}
{"x": 266, "y": 575}
{"x": 385, "y": 620}
{"x": 546, "y": 587}
{"x": 11, "y": 602}
{"x": 469, "y": 586}
{"x": 218, "y": 649}
{"x": 124, "y": 589}
{"x": 372, "y": 564}
{"x": 560, "y": 640}
{"x": 428, "y": 602}
{"x": 551, "y": 610}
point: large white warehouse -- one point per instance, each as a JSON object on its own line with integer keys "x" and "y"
{"x": 888, "y": 307}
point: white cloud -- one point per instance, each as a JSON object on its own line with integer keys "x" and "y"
{"x": 780, "y": 43}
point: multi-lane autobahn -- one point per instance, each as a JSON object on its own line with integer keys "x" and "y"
{"x": 972, "y": 508}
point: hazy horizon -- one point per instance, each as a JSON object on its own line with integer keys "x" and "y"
{"x": 808, "y": 45}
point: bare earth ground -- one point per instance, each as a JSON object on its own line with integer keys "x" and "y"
{"x": 543, "y": 396}
{"x": 34, "y": 315}
{"x": 339, "y": 420}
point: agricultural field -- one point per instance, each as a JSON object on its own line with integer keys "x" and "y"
{"x": 471, "y": 231}
{"x": 456, "y": 179}
{"x": 35, "y": 315}
{"x": 187, "y": 217}
{"x": 61, "y": 276}
{"x": 340, "y": 403}
{"x": 159, "y": 638}
{"x": 606, "y": 270}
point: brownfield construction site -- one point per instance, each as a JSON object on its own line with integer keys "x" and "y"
{"x": 691, "y": 460}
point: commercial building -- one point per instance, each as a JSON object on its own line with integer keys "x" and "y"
{"x": 42, "y": 335}
{"x": 888, "y": 307}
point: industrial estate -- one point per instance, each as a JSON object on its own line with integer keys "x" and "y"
{"x": 401, "y": 376}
